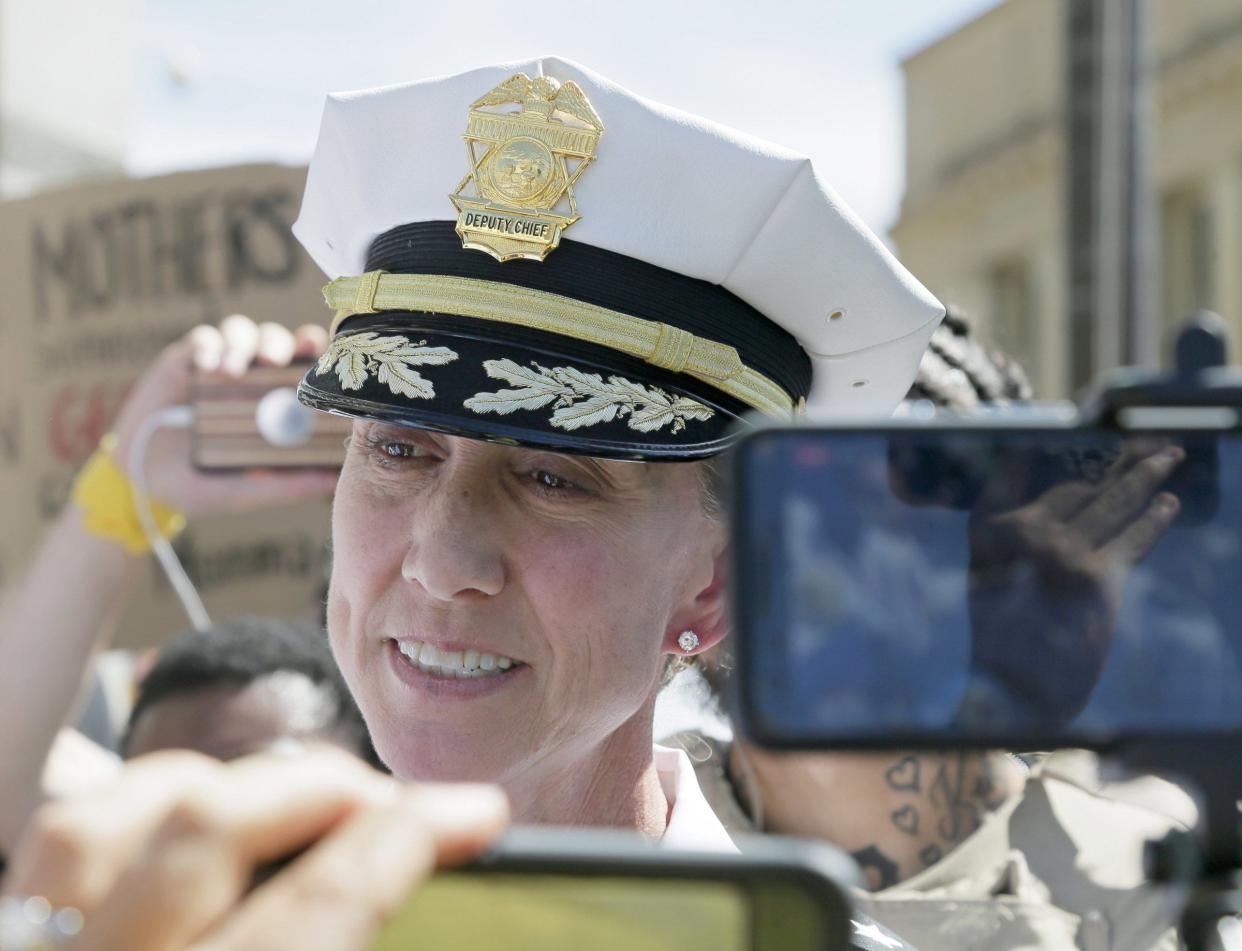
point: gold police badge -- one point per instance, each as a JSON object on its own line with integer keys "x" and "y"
{"x": 523, "y": 166}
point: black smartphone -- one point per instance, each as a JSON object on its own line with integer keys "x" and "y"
{"x": 557, "y": 890}
{"x": 256, "y": 422}
{"x": 1017, "y": 586}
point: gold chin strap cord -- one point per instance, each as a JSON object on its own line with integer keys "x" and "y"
{"x": 661, "y": 345}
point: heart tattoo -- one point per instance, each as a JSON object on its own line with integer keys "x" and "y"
{"x": 904, "y": 775}
{"x": 907, "y": 820}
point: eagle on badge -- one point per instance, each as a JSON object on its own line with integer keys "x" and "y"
{"x": 542, "y": 96}
{"x": 518, "y": 196}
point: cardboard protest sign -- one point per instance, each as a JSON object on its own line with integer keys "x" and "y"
{"x": 96, "y": 281}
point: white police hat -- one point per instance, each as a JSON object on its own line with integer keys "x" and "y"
{"x": 532, "y": 254}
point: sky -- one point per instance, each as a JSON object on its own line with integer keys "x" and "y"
{"x": 244, "y": 80}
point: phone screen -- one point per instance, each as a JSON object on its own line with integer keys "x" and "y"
{"x": 546, "y": 912}
{"x": 974, "y": 582}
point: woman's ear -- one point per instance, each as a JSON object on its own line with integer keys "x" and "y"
{"x": 706, "y": 616}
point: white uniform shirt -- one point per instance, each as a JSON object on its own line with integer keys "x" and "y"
{"x": 691, "y": 822}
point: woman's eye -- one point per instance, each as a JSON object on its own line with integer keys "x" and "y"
{"x": 387, "y": 451}
{"x": 551, "y": 481}
{"x": 400, "y": 450}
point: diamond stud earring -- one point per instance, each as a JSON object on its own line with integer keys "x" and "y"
{"x": 688, "y": 641}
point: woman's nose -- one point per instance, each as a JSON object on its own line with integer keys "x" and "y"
{"x": 454, "y": 548}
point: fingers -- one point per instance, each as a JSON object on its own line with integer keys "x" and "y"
{"x": 1063, "y": 500}
{"x": 274, "y": 346}
{"x": 464, "y": 818}
{"x": 1130, "y": 494}
{"x": 241, "y": 343}
{"x": 339, "y": 894}
{"x": 265, "y": 806}
{"x": 1067, "y": 499}
{"x": 194, "y": 864}
{"x": 207, "y": 347}
{"x": 1140, "y": 537}
{"x": 310, "y": 340}
{"x": 73, "y": 850}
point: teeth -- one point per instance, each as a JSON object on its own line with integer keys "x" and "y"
{"x": 460, "y": 664}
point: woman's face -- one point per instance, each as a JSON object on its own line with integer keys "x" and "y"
{"x": 568, "y": 577}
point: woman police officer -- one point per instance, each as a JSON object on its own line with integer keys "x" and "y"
{"x": 539, "y": 362}
{"x": 507, "y": 584}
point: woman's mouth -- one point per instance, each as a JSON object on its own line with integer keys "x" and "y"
{"x": 454, "y": 664}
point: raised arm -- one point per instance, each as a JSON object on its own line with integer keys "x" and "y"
{"x": 54, "y": 619}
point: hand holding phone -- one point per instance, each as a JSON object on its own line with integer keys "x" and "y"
{"x": 224, "y": 352}
{"x": 163, "y": 857}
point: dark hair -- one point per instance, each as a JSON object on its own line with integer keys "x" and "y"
{"x": 959, "y": 372}
{"x": 242, "y": 650}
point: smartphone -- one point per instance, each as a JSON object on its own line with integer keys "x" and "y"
{"x": 967, "y": 584}
{"x": 256, "y": 422}
{"x": 559, "y": 889}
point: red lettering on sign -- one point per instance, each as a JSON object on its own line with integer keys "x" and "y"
{"x": 80, "y": 415}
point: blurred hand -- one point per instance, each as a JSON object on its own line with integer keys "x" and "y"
{"x": 76, "y": 764}
{"x": 165, "y": 858}
{"x": 1046, "y": 579}
{"x": 231, "y": 348}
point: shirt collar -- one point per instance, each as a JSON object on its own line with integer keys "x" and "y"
{"x": 691, "y": 822}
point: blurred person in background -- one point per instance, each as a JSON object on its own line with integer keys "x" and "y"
{"x": 245, "y": 685}
{"x": 963, "y": 849}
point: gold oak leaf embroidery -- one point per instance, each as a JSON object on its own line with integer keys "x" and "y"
{"x": 584, "y": 399}
{"x": 391, "y": 360}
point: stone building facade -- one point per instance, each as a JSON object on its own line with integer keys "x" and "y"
{"x": 982, "y": 217}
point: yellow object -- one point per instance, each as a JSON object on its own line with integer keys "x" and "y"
{"x": 107, "y": 499}
{"x": 659, "y": 344}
